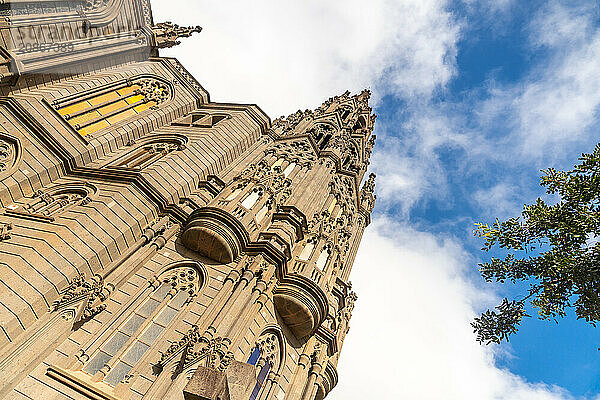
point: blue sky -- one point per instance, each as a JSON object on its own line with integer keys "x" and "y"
{"x": 474, "y": 97}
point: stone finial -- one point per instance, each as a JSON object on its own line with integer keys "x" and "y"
{"x": 166, "y": 34}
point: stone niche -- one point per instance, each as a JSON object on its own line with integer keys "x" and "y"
{"x": 301, "y": 304}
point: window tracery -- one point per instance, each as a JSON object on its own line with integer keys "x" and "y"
{"x": 266, "y": 357}
{"x": 115, "y": 358}
{"x": 10, "y": 152}
{"x": 195, "y": 348}
{"x": 47, "y": 205}
{"x": 93, "y": 292}
{"x": 148, "y": 152}
{"x": 345, "y": 112}
{"x": 263, "y": 178}
{"x": 99, "y": 109}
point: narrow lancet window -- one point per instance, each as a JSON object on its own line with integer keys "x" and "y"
{"x": 289, "y": 169}
{"x": 307, "y": 251}
{"x": 251, "y": 200}
{"x": 118, "y": 355}
{"x": 260, "y": 215}
{"x": 323, "y": 258}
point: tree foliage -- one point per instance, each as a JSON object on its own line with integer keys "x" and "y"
{"x": 553, "y": 247}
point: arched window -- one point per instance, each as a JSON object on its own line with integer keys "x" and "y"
{"x": 345, "y": 113}
{"x": 267, "y": 356}
{"x": 146, "y": 322}
{"x": 360, "y": 124}
{"x": 308, "y": 249}
{"x": 262, "y": 213}
{"x": 101, "y": 108}
{"x": 149, "y": 152}
{"x": 48, "y": 204}
{"x": 324, "y": 256}
{"x": 252, "y": 198}
{"x": 289, "y": 169}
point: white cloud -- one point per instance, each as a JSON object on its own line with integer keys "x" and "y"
{"x": 557, "y": 103}
{"x": 286, "y": 55}
{"x": 410, "y": 336}
{"x": 501, "y": 200}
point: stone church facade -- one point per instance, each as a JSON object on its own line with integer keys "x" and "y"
{"x": 155, "y": 244}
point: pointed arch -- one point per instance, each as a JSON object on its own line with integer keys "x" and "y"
{"x": 148, "y": 151}
{"x": 48, "y": 204}
{"x": 10, "y": 154}
{"x": 93, "y": 110}
{"x": 268, "y": 355}
{"x": 139, "y": 326}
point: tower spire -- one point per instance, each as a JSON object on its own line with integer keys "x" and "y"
{"x": 341, "y": 128}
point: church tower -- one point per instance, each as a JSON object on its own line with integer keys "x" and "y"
{"x": 155, "y": 244}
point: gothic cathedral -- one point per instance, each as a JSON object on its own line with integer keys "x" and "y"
{"x": 155, "y": 244}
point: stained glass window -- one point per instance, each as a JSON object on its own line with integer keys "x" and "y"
{"x": 140, "y": 330}
{"x": 103, "y": 108}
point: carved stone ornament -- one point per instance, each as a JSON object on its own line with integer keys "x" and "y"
{"x": 267, "y": 179}
{"x": 195, "y": 347}
{"x": 268, "y": 344}
{"x": 297, "y": 151}
{"x": 5, "y": 231}
{"x": 287, "y": 124}
{"x": 154, "y": 90}
{"x": 94, "y": 294}
{"x": 341, "y": 141}
{"x": 7, "y": 155}
{"x": 322, "y": 225}
{"x": 369, "y": 146}
{"x": 182, "y": 279}
{"x": 342, "y": 187}
{"x": 91, "y": 5}
{"x": 367, "y": 196}
{"x": 168, "y": 34}
{"x": 345, "y": 313}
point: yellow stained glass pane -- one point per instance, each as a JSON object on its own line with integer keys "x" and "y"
{"x": 121, "y": 116}
{"x": 135, "y": 99}
{"x": 77, "y": 107}
{"x": 277, "y": 163}
{"x": 112, "y": 107}
{"x": 337, "y": 213}
{"x": 127, "y": 90}
{"x": 84, "y": 118}
{"x": 93, "y": 128}
{"x": 143, "y": 107}
{"x": 103, "y": 98}
{"x": 332, "y": 205}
